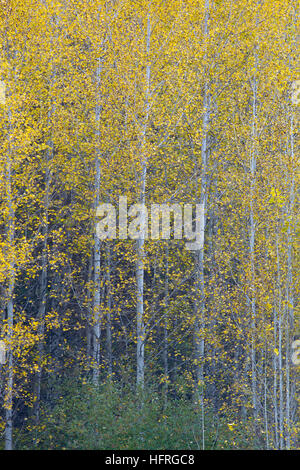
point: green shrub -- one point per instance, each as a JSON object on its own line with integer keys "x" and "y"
{"x": 118, "y": 418}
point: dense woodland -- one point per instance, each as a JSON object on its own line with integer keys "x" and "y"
{"x": 143, "y": 344}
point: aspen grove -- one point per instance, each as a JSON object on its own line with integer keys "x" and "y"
{"x": 137, "y": 342}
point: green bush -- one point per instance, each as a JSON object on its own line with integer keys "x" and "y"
{"x": 118, "y": 418}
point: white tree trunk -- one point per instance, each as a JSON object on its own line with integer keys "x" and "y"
{"x": 10, "y": 294}
{"x": 96, "y": 320}
{"x": 140, "y": 330}
{"x": 252, "y": 295}
{"x": 199, "y": 304}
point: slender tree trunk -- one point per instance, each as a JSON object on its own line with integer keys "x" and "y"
{"x": 290, "y": 398}
{"x": 10, "y": 294}
{"x": 265, "y": 401}
{"x": 108, "y": 324}
{"x": 140, "y": 351}
{"x": 96, "y": 320}
{"x": 199, "y": 304}
{"x": 41, "y": 321}
{"x": 166, "y": 335}
{"x": 280, "y": 342}
{"x": 252, "y": 295}
{"x": 44, "y": 269}
{"x": 275, "y": 376}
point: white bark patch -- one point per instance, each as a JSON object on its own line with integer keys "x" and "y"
{"x": 2, "y": 352}
{"x": 2, "y": 92}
